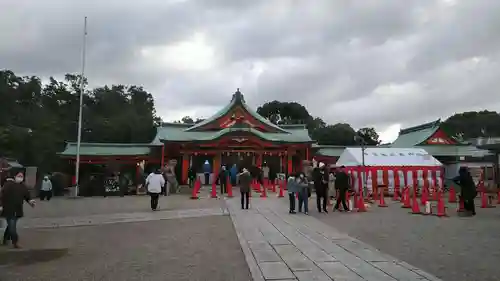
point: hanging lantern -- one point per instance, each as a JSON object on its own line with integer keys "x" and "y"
{"x": 196, "y": 154}
{"x": 248, "y": 153}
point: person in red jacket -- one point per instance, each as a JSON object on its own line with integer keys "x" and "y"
{"x": 12, "y": 197}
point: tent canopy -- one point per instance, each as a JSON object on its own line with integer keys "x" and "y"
{"x": 387, "y": 156}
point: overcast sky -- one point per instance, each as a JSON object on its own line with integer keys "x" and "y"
{"x": 387, "y": 63}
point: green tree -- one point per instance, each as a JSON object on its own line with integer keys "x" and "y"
{"x": 473, "y": 124}
{"x": 369, "y": 136}
{"x": 338, "y": 134}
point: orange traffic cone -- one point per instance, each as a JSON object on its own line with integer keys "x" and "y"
{"x": 395, "y": 193}
{"x": 406, "y": 200}
{"x": 461, "y": 205}
{"x": 361, "y": 202}
{"x": 196, "y": 187}
{"x": 229, "y": 189}
{"x": 441, "y": 208}
{"x": 452, "y": 196}
{"x": 485, "y": 200}
{"x": 214, "y": 190}
{"x": 263, "y": 194}
{"x": 381, "y": 202}
{"x": 281, "y": 185}
{"x": 415, "y": 207}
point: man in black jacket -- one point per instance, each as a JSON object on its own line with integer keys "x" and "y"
{"x": 321, "y": 186}
{"x": 342, "y": 185}
{"x": 12, "y": 195}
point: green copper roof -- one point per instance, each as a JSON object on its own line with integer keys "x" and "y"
{"x": 177, "y": 132}
{"x": 237, "y": 99}
{"x": 410, "y": 137}
{"x": 107, "y": 149}
{"x": 455, "y": 150}
{"x": 331, "y": 150}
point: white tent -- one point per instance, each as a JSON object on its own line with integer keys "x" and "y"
{"x": 387, "y": 157}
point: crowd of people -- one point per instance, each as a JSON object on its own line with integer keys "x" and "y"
{"x": 327, "y": 184}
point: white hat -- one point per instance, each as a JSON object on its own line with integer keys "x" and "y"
{"x": 321, "y": 164}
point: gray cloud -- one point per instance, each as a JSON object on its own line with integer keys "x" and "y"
{"x": 373, "y": 63}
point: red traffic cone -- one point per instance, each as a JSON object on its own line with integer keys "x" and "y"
{"x": 452, "y": 196}
{"x": 461, "y": 206}
{"x": 196, "y": 187}
{"x": 281, "y": 186}
{"x": 263, "y": 194}
{"x": 441, "y": 208}
{"x": 361, "y": 205}
{"x": 381, "y": 202}
{"x": 406, "y": 200}
{"x": 395, "y": 193}
{"x": 274, "y": 185}
{"x": 415, "y": 207}
{"x": 485, "y": 200}
{"x": 214, "y": 190}
{"x": 229, "y": 189}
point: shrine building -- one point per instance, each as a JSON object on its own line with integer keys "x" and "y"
{"x": 234, "y": 135}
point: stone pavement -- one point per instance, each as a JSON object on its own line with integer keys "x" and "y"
{"x": 86, "y": 220}
{"x": 280, "y": 246}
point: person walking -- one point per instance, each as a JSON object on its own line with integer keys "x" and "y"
{"x": 332, "y": 192}
{"x": 12, "y": 197}
{"x": 207, "y": 170}
{"x": 46, "y": 189}
{"x": 245, "y": 180}
{"x": 154, "y": 185}
{"x": 223, "y": 178}
{"x": 320, "y": 186}
{"x": 468, "y": 190}
{"x": 172, "y": 184}
{"x": 191, "y": 177}
{"x": 342, "y": 185}
{"x": 293, "y": 188}
{"x": 303, "y": 186}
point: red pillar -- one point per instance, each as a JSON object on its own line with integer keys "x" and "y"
{"x": 185, "y": 167}
{"x": 290, "y": 165}
{"x": 307, "y": 153}
{"x": 162, "y": 156}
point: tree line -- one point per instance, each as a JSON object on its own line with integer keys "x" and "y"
{"x": 36, "y": 119}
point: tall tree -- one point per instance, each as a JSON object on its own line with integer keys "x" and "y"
{"x": 338, "y": 134}
{"x": 369, "y": 135}
{"x": 473, "y": 124}
{"x": 36, "y": 119}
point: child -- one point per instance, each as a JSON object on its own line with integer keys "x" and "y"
{"x": 292, "y": 188}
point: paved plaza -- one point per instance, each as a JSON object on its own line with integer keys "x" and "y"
{"x": 120, "y": 238}
{"x": 453, "y": 248}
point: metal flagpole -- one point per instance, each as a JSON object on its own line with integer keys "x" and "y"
{"x": 79, "y": 139}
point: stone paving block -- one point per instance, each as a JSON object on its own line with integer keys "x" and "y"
{"x": 275, "y": 271}
{"x": 397, "y": 271}
{"x": 339, "y": 272}
{"x": 287, "y": 250}
{"x": 370, "y": 272}
{"x": 362, "y": 252}
{"x": 317, "y": 255}
{"x": 265, "y": 255}
{"x": 313, "y": 275}
{"x": 256, "y": 245}
{"x": 299, "y": 264}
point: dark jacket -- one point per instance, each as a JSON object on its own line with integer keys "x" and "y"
{"x": 320, "y": 180}
{"x": 468, "y": 187}
{"x": 245, "y": 181}
{"x": 11, "y": 197}
{"x": 223, "y": 175}
{"x": 342, "y": 181}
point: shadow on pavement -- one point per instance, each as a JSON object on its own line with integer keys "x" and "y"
{"x": 31, "y": 256}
